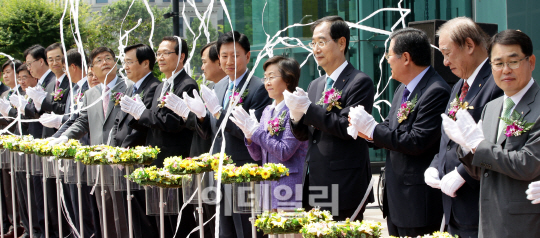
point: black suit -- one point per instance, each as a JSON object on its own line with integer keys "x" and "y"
{"x": 125, "y": 136}
{"x": 409, "y": 202}
{"x": 58, "y": 107}
{"x": 333, "y": 156}
{"x": 169, "y": 132}
{"x": 462, "y": 210}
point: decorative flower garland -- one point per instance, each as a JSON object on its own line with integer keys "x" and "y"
{"x": 201, "y": 164}
{"x": 104, "y": 154}
{"x": 153, "y": 176}
{"x": 252, "y": 172}
{"x": 365, "y": 228}
{"x": 67, "y": 150}
{"x": 289, "y": 222}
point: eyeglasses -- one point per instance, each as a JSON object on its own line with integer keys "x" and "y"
{"x": 25, "y": 77}
{"x": 28, "y": 64}
{"x": 52, "y": 61}
{"x": 99, "y": 61}
{"x": 514, "y": 64}
{"x": 387, "y": 56}
{"x": 321, "y": 44}
{"x": 266, "y": 79}
{"x": 164, "y": 54}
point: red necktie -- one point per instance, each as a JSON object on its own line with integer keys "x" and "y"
{"x": 464, "y": 91}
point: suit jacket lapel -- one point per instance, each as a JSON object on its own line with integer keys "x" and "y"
{"x": 343, "y": 77}
{"x": 479, "y": 81}
{"x": 119, "y": 87}
{"x": 396, "y": 103}
{"x": 523, "y": 107}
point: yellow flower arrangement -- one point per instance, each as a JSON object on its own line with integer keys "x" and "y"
{"x": 289, "y": 222}
{"x": 66, "y": 150}
{"x": 153, "y": 176}
{"x": 41, "y": 147}
{"x": 104, "y": 154}
{"x": 200, "y": 164}
{"x": 252, "y": 172}
{"x": 365, "y": 228}
{"x": 12, "y": 142}
{"x": 436, "y": 234}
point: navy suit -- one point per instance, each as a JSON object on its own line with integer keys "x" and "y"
{"x": 462, "y": 210}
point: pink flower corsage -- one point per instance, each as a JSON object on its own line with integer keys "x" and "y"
{"x": 330, "y": 97}
{"x": 405, "y": 109}
{"x": 58, "y": 94}
{"x": 516, "y": 125}
{"x": 116, "y": 97}
{"x": 275, "y": 126}
{"x": 456, "y": 105}
{"x": 235, "y": 96}
{"x": 78, "y": 98}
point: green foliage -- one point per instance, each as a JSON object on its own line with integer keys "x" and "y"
{"x": 108, "y": 23}
{"x": 196, "y": 62}
{"x": 24, "y": 23}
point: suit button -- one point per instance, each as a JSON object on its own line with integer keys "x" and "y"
{"x": 486, "y": 175}
{"x": 314, "y": 141}
{"x": 448, "y": 147}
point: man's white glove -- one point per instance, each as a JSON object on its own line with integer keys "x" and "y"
{"x": 533, "y": 193}
{"x": 362, "y": 120}
{"x": 297, "y": 102}
{"x": 210, "y": 99}
{"x": 51, "y": 120}
{"x": 451, "y": 182}
{"x": 19, "y": 102}
{"x": 431, "y": 176}
{"x": 177, "y": 105}
{"x": 37, "y": 94}
{"x": 59, "y": 140}
{"x": 135, "y": 108}
{"x": 472, "y": 132}
{"x": 194, "y": 104}
{"x": 247, "y": 123}
{"x": 453, "y": 132}
{"x": 5, "y": 106}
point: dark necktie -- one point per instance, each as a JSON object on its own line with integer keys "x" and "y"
{"x": 406, "y": 93}
{"x": 57, "y": 85}
{"x": 134, "y": 90}
{"x": 464, "y": 91}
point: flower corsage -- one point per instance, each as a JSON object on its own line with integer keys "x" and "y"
{"x": 455, "y": 105}
{"x": 516, "y": 125}
{"x": 275, "y": 126}
{"x": 236, "y": 95}
{"x": 330, "y": 97}
{"x": 116, "y": 97}
{"x": 78, "y": 97}
{"x": 161, "y": 100}
{"x": 405, "y": 109}
{"x": 58, "y": 94}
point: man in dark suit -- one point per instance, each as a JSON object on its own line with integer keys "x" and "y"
{"x": 464, "y": 47}
{"x": 503, "y": 151}
{"x": 334, "y": 160}
{"x": 138, "y": 63}
{"x": 411, "y": 133}
{"x": 97, "y": 121}
{"x": 167, "y": 130}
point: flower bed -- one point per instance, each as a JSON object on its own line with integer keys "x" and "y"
{"x": 200, "y": 164}
{"x": 153, "y": 176}
{"x": 252, "y": 172}
{"x": 289, "y": 222}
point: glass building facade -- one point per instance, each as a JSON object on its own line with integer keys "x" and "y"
{"x": 257, "y": 19}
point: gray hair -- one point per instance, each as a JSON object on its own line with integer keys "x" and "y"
{"x": 461, "y": 28}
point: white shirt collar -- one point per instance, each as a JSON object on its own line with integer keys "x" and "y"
{"x": 40, "y": 81}
{"x": 238, "y": 80}
{"x": 412, "y": 85}
{"x": 61, "y": 79}
{"x": 138, "y": 84}
{"x": 277, "y": 108}
{"x": 81, "y": 82}
{"x": 335, "y": 75}
{"x": 519, "y": 95}
{"x": 471, "y": 78}
{"x": 112, "y": 83}
{"x": 171, "y": 79}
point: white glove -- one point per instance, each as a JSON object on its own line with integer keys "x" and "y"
{"x": 59, "y": 140}
{"x": 248, "y": 124}
{"x": 37, "y": 94}
{"x": 471, "y": 131}
{"x": 289, "y": 98}
{"x": 451, "y": 182}
{"x": 453, "y": 132}
{"x": 298, "y": 100}
{"x": 51, "y": 120}
{"x": 431, "y": 176}
{"x": 138, "y": 98}
{"x": 177, "y": 105}
{"x": 5, "y": 107}
{"x": 135, "y": 108}
{"x": 362, "y": 120}
{"x": 19, "y": 102}
{"x": 195, "y": 104}
{"x": 210, "y": 99}
{"x": 533, "y": 193}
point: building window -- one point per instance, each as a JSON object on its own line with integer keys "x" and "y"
{"x": 102, "y": 1}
